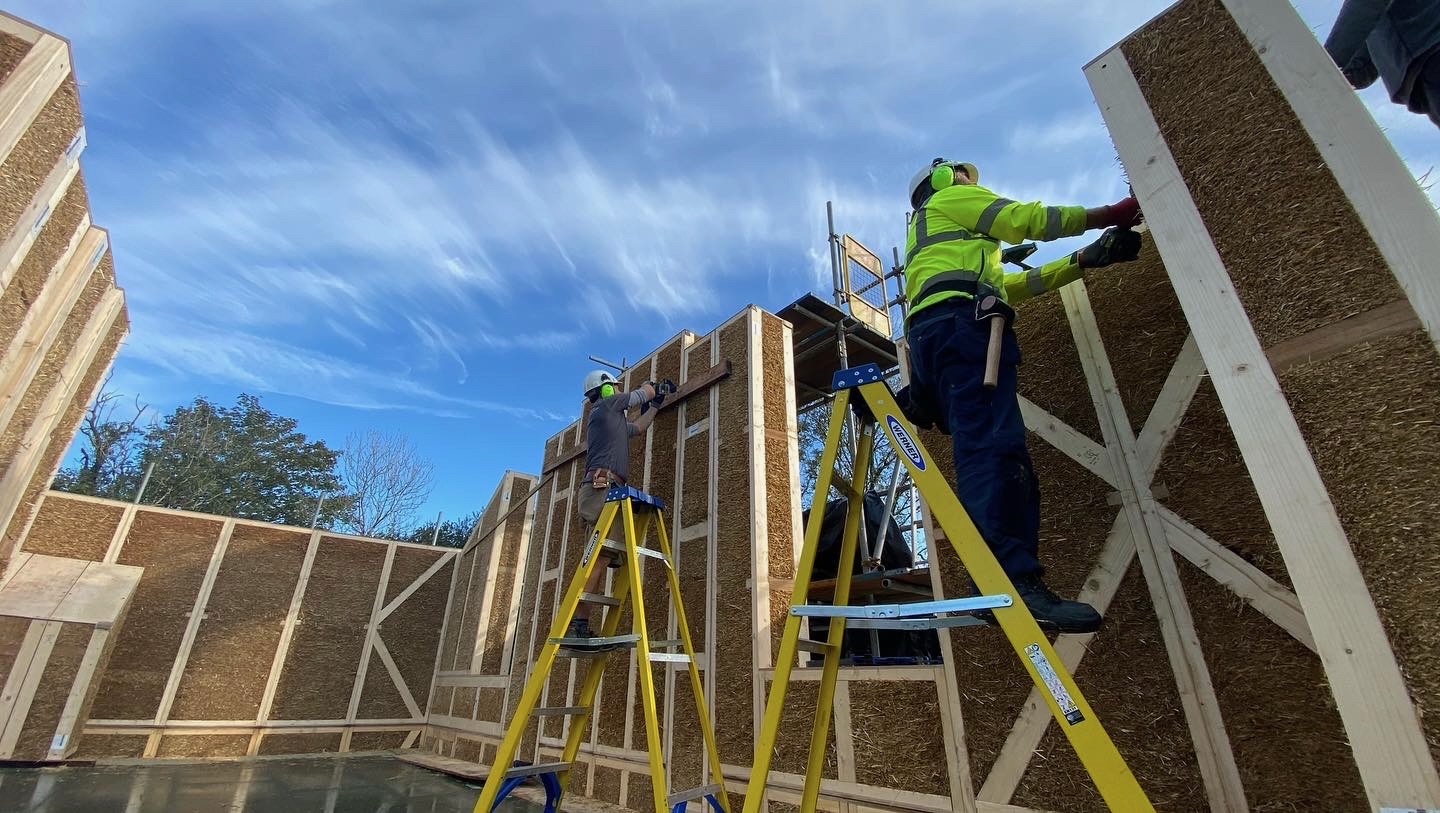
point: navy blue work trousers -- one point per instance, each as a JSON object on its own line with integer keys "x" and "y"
{"x": 993, "y": 474}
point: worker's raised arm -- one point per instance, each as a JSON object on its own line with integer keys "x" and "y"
{"x": 1021, "y": 285}
{"x": 1116, "y": 245}
{"x": 978, "y": 209}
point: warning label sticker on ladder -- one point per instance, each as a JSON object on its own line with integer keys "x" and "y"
{"x": 1052, "y": 683}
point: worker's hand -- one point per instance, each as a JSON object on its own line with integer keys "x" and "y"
{"x": 666, "y": 387}
{"x": 1125, "y": 213}
{"x": 1116, "y": 245}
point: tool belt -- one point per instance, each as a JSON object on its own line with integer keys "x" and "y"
{"x": 601, "y": 477}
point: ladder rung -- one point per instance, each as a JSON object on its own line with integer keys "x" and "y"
{"x": 560, "y": 711}
{"x": 537, "y": 770}
{"x": 669, "y": 657}
{"x": 910, "y": 610}
{"x": 805, "y": 645}
{"x": 694, "y": 793}
{"x": 666, "y": 644}
{"x": 913, "y": 623}
{"x": 589, "y": 643}
{"x": 619, "y": 547}
{"x": 599, "y": 598}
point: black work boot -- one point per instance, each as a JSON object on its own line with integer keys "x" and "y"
{"x": 1052, "y": 612}
{"x": 580, "y": 628}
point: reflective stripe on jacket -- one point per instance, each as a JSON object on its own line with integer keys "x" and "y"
{"x": 952, "y": 245}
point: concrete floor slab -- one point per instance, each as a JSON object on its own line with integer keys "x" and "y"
{"x": 351, "y": 784}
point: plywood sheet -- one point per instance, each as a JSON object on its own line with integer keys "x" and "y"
{"x": 175, "y": 552}
{"x": 48, "y": 377}
{"x": 78, "y": 529}
{"x": 228, "y": 667}
{"x": 116, "y": 746}
{"x": 377, "y": 740}
{"x": 299, "y": 743}
{"x": 1289, "y": 217}
{"x": 23, "y": 173}
{"x": 54, "y": 690}
{"x": 64, "y": 430}
{"x": 325, "y": 652}
{"x": 198, "y": 746}
{"x": 733, "y": 599}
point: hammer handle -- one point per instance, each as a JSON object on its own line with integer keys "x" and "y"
{"x": 992, "y": 352}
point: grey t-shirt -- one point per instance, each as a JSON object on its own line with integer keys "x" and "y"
{"x": 610, "y": 432}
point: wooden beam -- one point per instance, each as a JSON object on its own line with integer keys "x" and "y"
{"x": 1380, "y": 719}
{"x": 371, "y": 631}
{"x": 29, "y": 87}
{"x": 18, "y": 28}
{"x": 24, "y": 679}
{"x": 1390, "y": 204}
{"x": 1391, "y": 319}
{"x": 399, "y": 679}
{"x": 683, "y": 394}
{"x": 1073, "y": 443}
{"x": 287, "y": 633}
{"x": 45, "y": 319}
{"x": 63, "y": 743}
{"x": 440, "y": 561}
{"x": 1170, "y": 405}
{"x": 1100, "y": 588}
{"x": 512, "y": 615}
{"x": 66, "y": 388}
{"x": 192, "y": 630}
{"x": 1223, "y": 565}
{"x": 492, "y": 572}
{"x": 122, "y": 530}
{"x": 52, "y": 190}
{"x": 1197, "y": 694}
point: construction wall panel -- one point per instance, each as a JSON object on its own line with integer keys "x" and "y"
{"x": 77, "y": 529}
{"x": 330, "y": 637}
{"x": 175, "y": 552}
{"x": 242, "y": 625}
{"x": 56, "y": 682}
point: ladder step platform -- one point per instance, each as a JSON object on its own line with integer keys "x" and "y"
{"x": 612, "y": 642}
{"x": 599, "y": 598}
{"x": 619, "y": 547}
{"x": 637, "y": 497}
{"x": 560, "y": 711}
{"x": 691, "y": 794}
{"x": 820, "y": 647}
{"x": 914, "y": 624}
{"x": 669, "y": 657}
{"x": 910, "y": 610}
{"x": 537, "y": 770}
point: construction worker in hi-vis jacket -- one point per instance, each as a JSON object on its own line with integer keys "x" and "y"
{"x": 952, "y": 266}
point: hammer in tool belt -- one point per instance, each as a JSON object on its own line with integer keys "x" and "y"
{"x": 992, "y": 307}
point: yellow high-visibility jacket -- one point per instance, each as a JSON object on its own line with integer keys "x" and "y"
{"x": 953, "y": 243}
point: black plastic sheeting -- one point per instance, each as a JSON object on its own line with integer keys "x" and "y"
{"x": 895, "y": 646}
{"x": 894, "y": 556}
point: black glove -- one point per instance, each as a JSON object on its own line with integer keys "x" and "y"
{"x": 666, "y": 387}
{"x": 1116, "y": 245}
{"x": 917, "y": 407}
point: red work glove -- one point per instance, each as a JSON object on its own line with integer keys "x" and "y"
{"x": 1124, "y": 213}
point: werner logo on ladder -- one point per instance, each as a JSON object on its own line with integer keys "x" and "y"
{"x": 862, "y": 391}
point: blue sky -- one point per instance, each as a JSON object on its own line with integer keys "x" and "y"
{"x": 422, "y": 216}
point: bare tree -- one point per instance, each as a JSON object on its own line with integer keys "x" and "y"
{"x": 110, "y": 435}
{"x": 384, "y": 480}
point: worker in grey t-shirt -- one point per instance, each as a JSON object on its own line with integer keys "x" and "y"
{"x": 607, "y": 462}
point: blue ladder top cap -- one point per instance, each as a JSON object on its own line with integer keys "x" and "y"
{"x": 855, "y": 376}
{"x": 622, "y": 492}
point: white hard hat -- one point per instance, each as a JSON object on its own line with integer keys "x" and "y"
{"x": 919, "y": 179}
{"x": 595, "y": 379}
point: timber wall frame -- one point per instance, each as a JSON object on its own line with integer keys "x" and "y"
{"x": 1374, "y": 702}
{"x": 61, "y": 316}
{"x": 246, "y": 594}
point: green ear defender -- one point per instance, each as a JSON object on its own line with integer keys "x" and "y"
{"x": 942, "y": 176}
{"x": 607, "y": 390}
